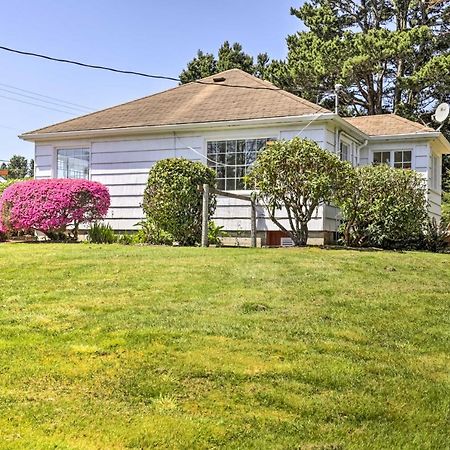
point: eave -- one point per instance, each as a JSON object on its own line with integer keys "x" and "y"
{"x": 160, "y": 129}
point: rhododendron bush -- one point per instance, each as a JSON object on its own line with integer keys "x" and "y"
{"x": 50, "y": 206}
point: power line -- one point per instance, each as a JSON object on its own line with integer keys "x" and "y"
{"x": 46, "y": 96}
{"x": 34, "y": 104}
{"x": 131, "y": 72}
{"x": 32, "y": 97}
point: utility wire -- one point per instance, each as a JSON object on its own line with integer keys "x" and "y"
{"x": 46, "y": 96}
{"x": 35, "y": 104}
{"x": 131, "y": 72}
{"x": 32, "y": 97}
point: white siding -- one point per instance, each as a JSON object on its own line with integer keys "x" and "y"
{"x": 123, "y": 165}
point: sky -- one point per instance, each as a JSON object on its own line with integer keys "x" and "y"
{"x": 153, "y": 36}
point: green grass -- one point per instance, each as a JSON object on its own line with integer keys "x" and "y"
{"x": 111, "y": 347}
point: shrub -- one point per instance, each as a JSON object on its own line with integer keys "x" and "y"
{"x": 125, "y": 239}
{"x": 100, "y": 233}
{"x": 435, "y": 237}
{"x": 296, "y": 175}
{"x": 150, "y": 234}
{"x": 215, "y": 232}
{"x": 50, "y": 206}
{"x": 445, "y": 206}
{"x": 172, "y": 201}
{"x": 7, "y": 183}
{"x": 383, "y": 207}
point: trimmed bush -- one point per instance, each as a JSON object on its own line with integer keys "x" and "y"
{"x": 50, "y": 206}
{"x": 172, "y": 201}
{"x": 383, "y": 207}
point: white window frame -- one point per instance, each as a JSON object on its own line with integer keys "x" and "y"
{"x": 237, "y": 137}
{"x": 77, "y": 146}
{"x": 392, "y": 155}
{"x": 352, "y": 156}
{"x": 435, "y": 173}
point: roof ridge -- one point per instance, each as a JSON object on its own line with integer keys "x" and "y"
{"x": 285, "y": 93}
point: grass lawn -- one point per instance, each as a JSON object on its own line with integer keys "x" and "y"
{"x": 111, "y": 347}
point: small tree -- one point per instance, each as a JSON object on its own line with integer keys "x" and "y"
{"x": 383, "y": 207}
{"x": 17, "y": 167}
{"x": 50, "y": 206}
{"x": 296, "y": 175}
{"x": 172, "y": 200}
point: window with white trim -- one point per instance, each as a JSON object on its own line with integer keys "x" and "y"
{"x": 400, "y": 159}
{"x": 344, "y": 151}
{"x": 232, "y": 160}
{"x": 73, "y": 163}
{"x": 435, "y": 175}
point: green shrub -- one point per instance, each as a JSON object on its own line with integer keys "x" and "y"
{"x": 150, "y": 234}
{"x": 7, "y": 183}
{"x": 125, "y": 239}
{"x": 435, "y": 236}
{"x": 100, "y": 233}
{"x": 383, "y": 207}
{"x": 445, "y": 209}
{"x": 215, "y": 232}
{"x": 172, "y": 201}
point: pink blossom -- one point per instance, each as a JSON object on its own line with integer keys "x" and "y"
{"x": 47, "y": 205}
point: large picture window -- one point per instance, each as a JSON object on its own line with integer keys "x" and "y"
{"x": 73, "y": 163}
{"x": 232, "y": 160}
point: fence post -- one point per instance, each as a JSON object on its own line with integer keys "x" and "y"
{"x": 253, "y": 225}
{"x": 205, "y": 215}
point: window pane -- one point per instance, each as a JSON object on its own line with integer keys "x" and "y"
{"x": 398, "y": 156}
{"x": 386, "y": 157}
{"x": 73, "y": 163}
{"x": 221, "y": 184}
{"x": 407, "y": 156}
{"x": 221, "y": 147}
{"x": 230, "y": 184}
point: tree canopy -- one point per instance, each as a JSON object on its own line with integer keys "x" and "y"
{"x": 228, "y": 57}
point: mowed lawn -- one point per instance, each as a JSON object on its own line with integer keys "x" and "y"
{"x": 111, "y": 347}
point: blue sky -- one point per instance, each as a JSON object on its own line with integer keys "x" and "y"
{"x": 157, "y": 37}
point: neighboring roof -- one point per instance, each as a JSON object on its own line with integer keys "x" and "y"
{"x": 387, "y": 124}
{"x": 241, "y": 96}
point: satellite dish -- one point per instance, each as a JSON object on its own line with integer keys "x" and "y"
{"x": 442, "y": 112}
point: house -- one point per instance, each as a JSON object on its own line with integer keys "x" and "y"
{"x": 223, "y": 121}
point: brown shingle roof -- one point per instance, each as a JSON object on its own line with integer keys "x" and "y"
{"x": 386, "y": 124}
{"x": 246, "y": 97}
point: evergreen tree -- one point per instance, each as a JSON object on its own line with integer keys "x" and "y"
{"x": 17, "y": 167}
{"x": 228, "y": 57}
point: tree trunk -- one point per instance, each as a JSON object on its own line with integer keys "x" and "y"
{"x": 300, "y": 238}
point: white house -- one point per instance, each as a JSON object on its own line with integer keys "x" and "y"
{"x": 223, "y": 121}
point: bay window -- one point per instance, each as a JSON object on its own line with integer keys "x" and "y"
{"x": 232, "y": 160}
{"x": 73, "y": 163}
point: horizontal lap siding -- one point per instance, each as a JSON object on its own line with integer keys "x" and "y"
{"x": 123, "y": 167}
{"x": 43, "y": 161}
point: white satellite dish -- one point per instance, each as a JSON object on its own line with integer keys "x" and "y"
{"x": 442, "y": 112}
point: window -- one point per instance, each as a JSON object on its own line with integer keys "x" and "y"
{"x": 435, "y": 175}
{"x": 381, "y": 158}
{"x": 73, "y": 163}
{"x": 232, "y": 159}
{"x": 344, "y": 151}
{"x": 400, "y": 159}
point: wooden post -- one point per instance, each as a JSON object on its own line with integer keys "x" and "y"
{"x": 205, "y": 214}
{"x": 253, "y": 226}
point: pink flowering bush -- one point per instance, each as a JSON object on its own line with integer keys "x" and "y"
{"x": 51, "y": 205}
